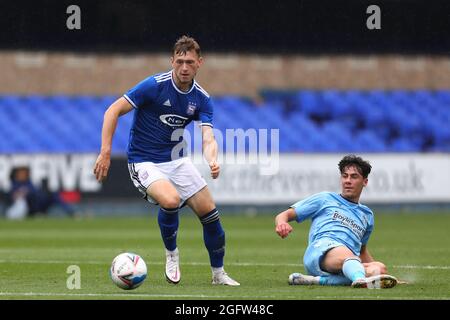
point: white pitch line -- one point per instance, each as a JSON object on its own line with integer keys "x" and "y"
{"x": 422, "y": 267}
{"x": 143, "y": 295}
{"x": 381, "y": 297}
{"x": 239, "y": 264}
{"x": 245, "y": 264}
{"x": 139, "y": 295}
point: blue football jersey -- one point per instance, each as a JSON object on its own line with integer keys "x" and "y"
{"x": 335, "y": 217}
{"x": 160, "y": 109}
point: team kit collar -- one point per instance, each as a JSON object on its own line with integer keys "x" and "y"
{"x": 176, "y": 88}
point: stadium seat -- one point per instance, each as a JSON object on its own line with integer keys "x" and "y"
{"x": 401, "y": 145}
{"x": 309, "y": 121}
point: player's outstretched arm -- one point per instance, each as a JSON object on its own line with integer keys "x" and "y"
{"x": 365, "y": 255}
{"x": 120, "y": 107}
{"x": 371, "y": 266}
{"x": 209, "y": 147}
{"x": 282, "y": 226}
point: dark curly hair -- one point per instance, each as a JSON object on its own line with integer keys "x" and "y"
{"x": 361, "y": 165}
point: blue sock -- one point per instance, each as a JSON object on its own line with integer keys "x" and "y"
{"x": 334, "y": 280}
{"x": 353, "y": 269}
{"x": 168, "y": 224}
{"x": 214, "y": 237}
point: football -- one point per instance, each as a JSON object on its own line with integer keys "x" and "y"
{"x": 128, "y": 271}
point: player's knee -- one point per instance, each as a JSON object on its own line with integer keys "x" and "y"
{"x": 170, "y": 201}
{"x": 375, "y": 268}
{"x": 381, "y": 267}
{"x": 335, "y": 258}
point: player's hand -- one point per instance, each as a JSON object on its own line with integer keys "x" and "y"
{"x": 102, "y": 166}
{"x": 215, "y": 169}
{"x": 283, "y": 229}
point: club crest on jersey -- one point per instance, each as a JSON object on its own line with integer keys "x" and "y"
{"x": 191, "y": 109}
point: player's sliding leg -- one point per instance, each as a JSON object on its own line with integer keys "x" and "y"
{"x": 353, "y": 269}
{"x": 382, "y": 281}
{"x": 371, "y": 269}
{"x": 307, "y": 280}
{"x": 376, "y": 277}
{"x": 213, "y": 235}
{"x": 374, "y": 268}
{"x": 334, "y": 280}
{"x": 342, "y": 259}
{"x": 163, "y": 192}
{"x": 333, "y": 264}
{"x": 303, "y": 279}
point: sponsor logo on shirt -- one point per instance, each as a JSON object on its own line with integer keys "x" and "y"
{"x": 173, "y": 120}
{"x": 350, "y": 223}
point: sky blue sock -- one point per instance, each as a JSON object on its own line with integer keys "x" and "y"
{"x": 353, "y": 269}
{"x": 168, "y": 225}
{"x": 334, "y": 280}
{"x": 214, "y": 237}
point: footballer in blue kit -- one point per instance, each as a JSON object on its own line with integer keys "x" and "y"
{"x": 162, "y": 108}
{"x": 163, "y": 104}
{"x": 337, "y": 251}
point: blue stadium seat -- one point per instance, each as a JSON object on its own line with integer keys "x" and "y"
{"x": 308, "y": 120}
{"x": 402, "y": 145}
{"x": 368, "y": 141}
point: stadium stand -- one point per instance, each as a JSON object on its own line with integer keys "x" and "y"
{"x": 309, "y": 121}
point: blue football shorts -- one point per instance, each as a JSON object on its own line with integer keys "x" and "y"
{"x": 315, "y": 253}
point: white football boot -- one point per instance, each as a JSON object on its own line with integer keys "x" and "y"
{"x": 301, "y": 279}
{"x": 382, "y": 281}
{"x": 221, "y": 277}
{"x": 173, "y": 274}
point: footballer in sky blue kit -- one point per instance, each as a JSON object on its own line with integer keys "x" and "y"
{"x": 336, "y": 218}
{"x": 164, "y": 103}
{"x": 337, "y": 251}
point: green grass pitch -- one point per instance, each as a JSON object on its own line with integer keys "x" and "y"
{"x": 35, "y": 255}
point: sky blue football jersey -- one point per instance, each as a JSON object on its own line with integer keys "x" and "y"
{"x": 160, "y": 109}
{"x": 335, "y": 217}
